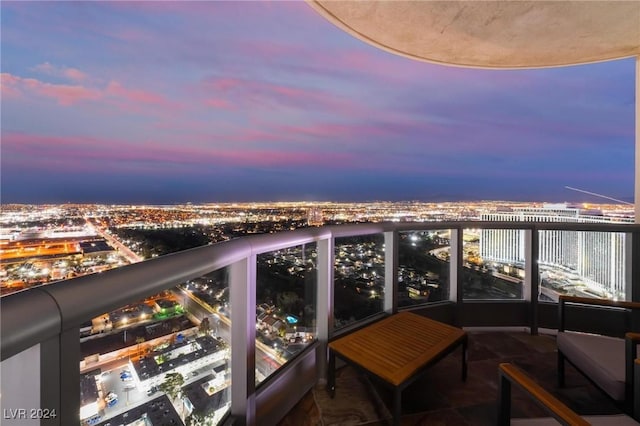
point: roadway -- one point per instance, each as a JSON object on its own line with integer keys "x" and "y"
{"x": 125, "y": 251}
{"x": 267, "y": 360}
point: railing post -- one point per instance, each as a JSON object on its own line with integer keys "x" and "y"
{"x": 391, "y": 272}
{"x": 632, "y": 268}
{"x": 50, "y": 376}
{"x": 324, "y": 312}
{"x": 628, "y": 266}
{"x": 455, "y": 273}
{"x": 69, "y": 362}
{"x": 637, "y": 146}
{"x": 531, "y": 277}
{"x": 242, "y": 292}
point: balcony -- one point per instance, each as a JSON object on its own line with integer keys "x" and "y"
{"x": 345, "y": 276}
{"x": 441, "y": 398}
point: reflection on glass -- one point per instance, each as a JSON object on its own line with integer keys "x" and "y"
{"x": 286, "y": 285}
{"x": 586, "y": 264}
{"x": 163, "y": 360}
{"x": 359, "y": 278}
{"x": 493, "y": 263}
{"x": 423, "y": 267}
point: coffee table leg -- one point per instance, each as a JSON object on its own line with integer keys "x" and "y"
{"x": 397, "y": 406}
{"x": 331, "y": 374}
{"x": 464, "y": 359}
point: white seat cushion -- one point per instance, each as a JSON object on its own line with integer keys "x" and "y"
{"x": 601, "y": 358}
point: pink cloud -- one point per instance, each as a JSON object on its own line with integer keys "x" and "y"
{"x": 52, "y": 153}
{"x": 135, "y": 95}
{"x": 332, "y": 130}
{"x": 266, "y": 158}
{"x": 196, "y": 8}
{"x": 270, "y": 49}
{"x": 72, "y": 74}
{"x": 69, "y": 94}
{"x": 257, "y": 92}
{"x": 9, "y": 85}
{"x": 257, "y": 135}
{"x": 64, "y": 94}
{"x": 75, "y": 153}
{"x": 219, "y": 103}
{"x": 225, "y": 84}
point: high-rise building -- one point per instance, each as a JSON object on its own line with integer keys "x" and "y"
{"x": 598, "y": 258}
{"x": 315, "y": 217}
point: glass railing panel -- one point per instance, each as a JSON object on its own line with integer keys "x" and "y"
{"x": 162, "y": 360}
{"x": 358, "y": 278}
{"x": 423, "y": 266}
{"x": 580, "y": 263}
{"x": 493, "y": 264}
{"x": 286, "y": 288}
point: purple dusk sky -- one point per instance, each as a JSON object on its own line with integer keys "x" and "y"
{"x": 163, "y": 102}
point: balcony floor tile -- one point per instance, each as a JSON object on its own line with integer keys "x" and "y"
{"x": 441, "y": 398}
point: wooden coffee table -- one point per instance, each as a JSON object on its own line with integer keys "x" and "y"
{"x": 397, "y": 350}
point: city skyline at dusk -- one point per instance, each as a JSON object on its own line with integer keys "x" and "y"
{"x": 159, "y": 102}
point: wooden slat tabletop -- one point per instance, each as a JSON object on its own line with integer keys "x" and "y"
{"x": 396, "y": 347}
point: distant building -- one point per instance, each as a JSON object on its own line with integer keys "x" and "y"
{"x": 89, "y": 395}
{"x": 299, "y": 334}
{"x": 180, "y": 358}
{"x": 72, "y": 232}
{"x": 16, "y": 234}
{"x": 270, "y": 323}
{"x": 9, "y": 234}
{"x": 167, "y": 308}
{"x": 597, "y": 257}
{"x": 315, "y": 217}
{"x": 158, "y": 411}
{"x": 95, "y": 247}
{"x": 209, "y": 396}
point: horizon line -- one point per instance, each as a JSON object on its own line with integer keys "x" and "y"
{"x": 176, "y": 203}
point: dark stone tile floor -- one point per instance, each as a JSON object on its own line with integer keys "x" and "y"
{"x": 440, "y": 397}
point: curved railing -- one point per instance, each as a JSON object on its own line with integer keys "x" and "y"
{"x": 40, "y": 347}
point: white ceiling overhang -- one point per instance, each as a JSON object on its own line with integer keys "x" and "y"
{"x": 493, "y": 34}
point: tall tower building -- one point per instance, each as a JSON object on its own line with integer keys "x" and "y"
{"x": 598, "y": 258}
{"x": 315, "y": 217}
